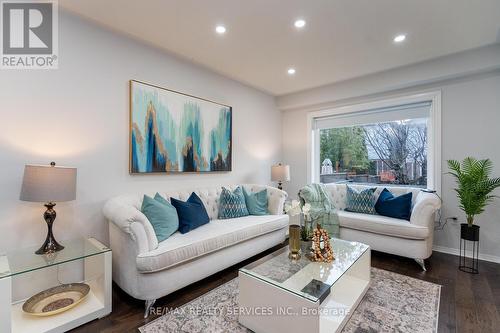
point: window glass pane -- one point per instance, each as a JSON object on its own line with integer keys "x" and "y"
{"x": 389, "y": 152}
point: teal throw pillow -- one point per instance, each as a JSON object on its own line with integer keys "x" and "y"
{"x": 162, "y": 216}
{"x": 232, "y": 204}
{"x": 360, "y": 201}
{"x": 256, "y": 202}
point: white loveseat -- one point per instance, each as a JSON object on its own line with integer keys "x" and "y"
{"x": 412, "y": 239}
{"x": 148, "y": 270}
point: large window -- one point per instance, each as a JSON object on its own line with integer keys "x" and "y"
{"x": 392, "y": 145}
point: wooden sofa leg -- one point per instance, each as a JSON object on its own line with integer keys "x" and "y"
{"x": 149, "y": 305}
{"x": 421, "y": 262}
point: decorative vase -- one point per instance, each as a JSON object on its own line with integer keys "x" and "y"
{"x": 306, "y": 248}
{"x": 295, "y": 219}
{"x": 330, "y": 223}
{"x": 307, "y": 228}
{"x": 294, "y": 242}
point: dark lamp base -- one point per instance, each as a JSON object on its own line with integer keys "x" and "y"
{"x": 50, "y": 245}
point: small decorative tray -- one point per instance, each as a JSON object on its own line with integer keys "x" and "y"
{"x": 56, "y": 300}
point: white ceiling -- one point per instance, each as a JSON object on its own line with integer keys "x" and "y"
{"x": 343, "y": 39}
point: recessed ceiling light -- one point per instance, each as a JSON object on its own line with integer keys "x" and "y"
{"x": 220, "y": 29}
{"x": 300, "y": 23}
{"x": 399, "y": 38}
{"x": 291, "y": 71}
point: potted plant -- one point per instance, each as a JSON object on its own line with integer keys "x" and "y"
{"x": 474, "y": 193}
{"x": 474, "y": 185}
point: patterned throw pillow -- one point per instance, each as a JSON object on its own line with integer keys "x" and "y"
{"x": 232, "y": 204}
{"x": 360, "y": 201}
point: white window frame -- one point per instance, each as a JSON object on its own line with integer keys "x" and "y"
{"x": 433, "y": 133}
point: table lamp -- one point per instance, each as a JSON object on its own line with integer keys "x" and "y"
{"x": 280, "y": 173}
{"x": 48, "y": 184}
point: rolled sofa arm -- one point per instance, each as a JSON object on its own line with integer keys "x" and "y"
{"x": 275, "y": 197}
{"x": 276, "y": 200}
{"x": 423, "y": 211}
{"x": 133, "y": 222}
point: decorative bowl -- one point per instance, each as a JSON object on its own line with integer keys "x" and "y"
{"x": 56, "y": 300}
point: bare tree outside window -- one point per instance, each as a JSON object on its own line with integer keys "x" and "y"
{"x": 383, "y": 153}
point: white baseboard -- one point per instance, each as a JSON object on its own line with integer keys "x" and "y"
{"x": 450, "y": 250}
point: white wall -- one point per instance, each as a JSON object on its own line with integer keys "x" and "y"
{"x": 470, "y": 120}
{"x": 78, "y": 116}
{"x": 481, "y": 60}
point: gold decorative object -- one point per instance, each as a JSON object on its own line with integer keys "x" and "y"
{"x": 294, "y": 242}
{"x": 322, "y": 253}
{"x": 56, "y": 300}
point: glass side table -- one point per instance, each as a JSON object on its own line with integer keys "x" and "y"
{"x": 24, "y": 274}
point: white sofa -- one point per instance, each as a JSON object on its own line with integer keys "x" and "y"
{"x": 148, "y": 270}
{"x": 412, "y": 239}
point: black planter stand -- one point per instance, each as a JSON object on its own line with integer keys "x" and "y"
{"x": 469, "y": 234}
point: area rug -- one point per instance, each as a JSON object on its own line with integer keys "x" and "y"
{"x": 393, "y": 303}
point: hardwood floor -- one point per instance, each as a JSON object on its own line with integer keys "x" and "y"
{"x": 469, "y": 303}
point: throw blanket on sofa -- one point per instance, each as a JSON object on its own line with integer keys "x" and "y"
{"x": 322, "y": 209}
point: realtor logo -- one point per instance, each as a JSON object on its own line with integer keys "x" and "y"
{"x": 29, "y": 34}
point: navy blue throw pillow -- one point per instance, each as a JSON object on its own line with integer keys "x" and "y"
{"x": 192, "y": 213}
{"x": 391, "y": 206}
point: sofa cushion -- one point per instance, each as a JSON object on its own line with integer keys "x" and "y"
{"x": 256, "y": 202}
{"x": 382, "y": 225}
{"x": 232, "y": 204}
{"x": 162, "y": 216}
{"x": 208, "y": 238}
{"x": 398, "y": 207}
{"x": 192, "y": 213}
{"x": 338, "y": 192}
{"x": 362, "y": 201}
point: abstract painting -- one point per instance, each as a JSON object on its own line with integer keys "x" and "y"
{"x": 175, "y": 132}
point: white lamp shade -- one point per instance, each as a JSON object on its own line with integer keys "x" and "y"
{"x": 46, "y": 183}
{"x": 280, "y": 173}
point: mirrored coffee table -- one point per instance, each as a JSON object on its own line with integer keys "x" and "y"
{"x": 280, "y": 295}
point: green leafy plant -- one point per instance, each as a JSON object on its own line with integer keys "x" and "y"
{"x": 474, "y": 185}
